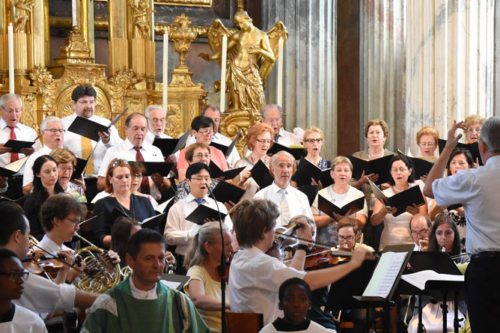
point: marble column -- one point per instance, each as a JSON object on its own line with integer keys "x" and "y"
{"x": 309, "y": 89}
{"x": 426, "y": 63}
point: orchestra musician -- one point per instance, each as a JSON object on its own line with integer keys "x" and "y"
{"x": 40, "y": 294}
{"x": 419, "y": 228}
{"x": 203, "y": 264}
{"x": 255, "y": 277}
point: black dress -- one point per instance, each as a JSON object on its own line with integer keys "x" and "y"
{"x": 140, "y": 209}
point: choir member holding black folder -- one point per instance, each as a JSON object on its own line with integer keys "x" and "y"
{"x": 336, "y": 201}
{"x": 396, "y": 214}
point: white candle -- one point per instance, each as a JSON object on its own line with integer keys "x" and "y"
{"x": 165, "y": 70}
{"x": 10, "y": 33}
{"x": 279, "y": 89}
{"x": 74, "y": 13}
{"x": 223, "y": 65}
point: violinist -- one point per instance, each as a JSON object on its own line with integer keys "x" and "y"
{"x": 203, "y": 262}
{"x": 255, "y": 277}
{"x": 40, "y": 294}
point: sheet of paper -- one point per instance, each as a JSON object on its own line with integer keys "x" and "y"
{"x": 420, "y": 278}
{"x": 385, "y": 274}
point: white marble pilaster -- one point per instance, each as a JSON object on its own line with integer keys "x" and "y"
{"x": 309, "y": 90}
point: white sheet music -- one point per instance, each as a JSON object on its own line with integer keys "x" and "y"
{"x": 420, "y": 278}
{"x": 385, "y": 274}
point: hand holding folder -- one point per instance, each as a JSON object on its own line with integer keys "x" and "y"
{"x": 400, "y": 201}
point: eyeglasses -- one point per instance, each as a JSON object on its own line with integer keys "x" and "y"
{"x": 420, "y": 233}
{"x": 13, "y": 276}
{"x": 201, "y": 179}
{"x": 264, "y": 140}
{"x": 314, "y": 140}
{"x": 202, "y": 155}
{"x": 346, "y": 238}
{"x": 55, "y": 130}
{"x": 427, "y": 144}
{"x": 206, "y": 131}
{"x": 74, "y": 221}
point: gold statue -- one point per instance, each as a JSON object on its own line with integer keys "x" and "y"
{"x": 22, "y": 11}
{"x": 251, "y": 54}
{"x": 140, "y": 14}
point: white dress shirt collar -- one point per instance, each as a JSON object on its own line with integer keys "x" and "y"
{"x": 141, "y": 294}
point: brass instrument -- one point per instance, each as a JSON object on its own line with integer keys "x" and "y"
{"x": 96, "y": 277}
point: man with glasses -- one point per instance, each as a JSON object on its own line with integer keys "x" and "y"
{"x": 202, "y": 128}
{"x": 52, "y": 130}
{"x": 179, "y": 231}
{"x": 134, "y": 148}
{"x": 15, "y": 318}
{"x": 11, "y": 109}
{"x": 40, "y": 294}
{"x": 419, "y": 227}
{"x": 156, "y": 117}
{"x": 84, "y": 103}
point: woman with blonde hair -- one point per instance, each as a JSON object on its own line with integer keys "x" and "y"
{"x": 66, "y": 163}
{"x": 203, "y": 262}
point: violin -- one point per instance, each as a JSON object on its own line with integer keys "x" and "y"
{"x": 322, "y": 258}
{"x": 38, "y": 263}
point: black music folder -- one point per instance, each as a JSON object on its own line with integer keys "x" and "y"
{"x": 401, "y": 200}
{"x": 18, "y": 145}
{"x": 380, "y": 166}
{"x": 79, "y": 168}
{"x": 297, "y": 152}
{"x": 216, "y": 172}
{"x": 328, "y": 207}
{"x": 261, "y": 174}
{"x": 154, "y": 222}
{"x": 87, "y": 128}
{"x": 169, "y": 146}
{"x": 204, "y": 213}
{"x": 13, "y": 168}
{"x": 307, "y": 171}
{"x": 473, "y": 148}
{"x": 310, "y": 191}
{"x": 225, "y": 192}
{"x": 421, "y": 166}
{"x": 226, "y": 150}
{"x": 161, "y": 168}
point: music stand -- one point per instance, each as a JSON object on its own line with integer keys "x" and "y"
{"x": 355, "y": 283}
{"x": 441, "y": 263}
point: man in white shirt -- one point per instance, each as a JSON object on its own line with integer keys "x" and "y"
{"x": 15, "y": 318}
{"x": 213, "y": 112}
{"x": 419, "y": 227}
{"x": 157, "y": 118}
{"x": 272, "y": 115}
{"x": 290, "y": 201}
{"x": 477, "y": 190}
{"x": 11, "y": 108}
{"x": 40, "y": 294}
{"x": 52, "y": 130}
{"x": 84, "y": 102}
{"x": 134, "y": 148}
{"x": 179, "y": 231}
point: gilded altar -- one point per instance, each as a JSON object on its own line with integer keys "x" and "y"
{"x": 129, "y": 78}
